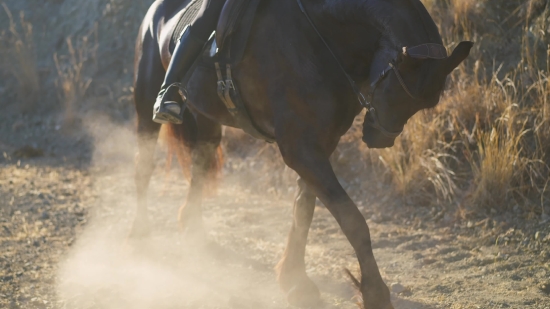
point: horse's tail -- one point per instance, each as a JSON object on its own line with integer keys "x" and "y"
{"x": 180, "y": 140}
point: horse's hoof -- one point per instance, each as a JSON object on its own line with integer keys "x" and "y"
{"x": 190, "y": 221}
{"x": 304, "y": 295}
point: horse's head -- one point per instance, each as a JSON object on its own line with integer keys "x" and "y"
{"x": 410, "y": 83}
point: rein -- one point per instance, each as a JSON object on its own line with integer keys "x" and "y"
{"x": 434, "y": 51}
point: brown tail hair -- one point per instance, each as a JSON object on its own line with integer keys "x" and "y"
{"x": 180, "y": 141}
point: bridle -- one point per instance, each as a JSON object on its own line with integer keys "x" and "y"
{"x": 423, "y": 51}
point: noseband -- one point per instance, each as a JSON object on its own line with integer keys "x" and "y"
{"x": 423, "y": 51}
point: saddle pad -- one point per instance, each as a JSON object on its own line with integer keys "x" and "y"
{"x": 186, "y": 19}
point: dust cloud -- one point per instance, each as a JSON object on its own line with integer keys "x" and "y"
{"x": 104, "y": 269}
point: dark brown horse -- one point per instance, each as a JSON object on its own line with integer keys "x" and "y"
{"x": 295, "y": 90}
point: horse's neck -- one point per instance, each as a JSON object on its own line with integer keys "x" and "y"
{"x": 352, "y": 43}
{"x": 401, "y": 22}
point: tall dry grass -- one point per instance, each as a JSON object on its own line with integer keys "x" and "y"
{"x": 18, "y": 58}
{"x": 73, "y": 79}
{"x": 487, "y": 144}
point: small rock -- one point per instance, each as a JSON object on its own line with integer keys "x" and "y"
{"x": 544, "y": 218}
{"x": 7, "y": 230}
{"x": 537, "y": 235}
{"x": 45, "y": 215}
{"x": 470, "y": 224}
{"x": 545, "y": 288}
{"x": 443, "y": 289}
{"x": 529, "y": 302}
{"x": 429, "y": 261}
{"x": 501, "y": 256}
{"x": 397, "y": 288}
{"x": 6, "y": 278}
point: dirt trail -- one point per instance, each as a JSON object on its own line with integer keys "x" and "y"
{"x": 64, "y": 221}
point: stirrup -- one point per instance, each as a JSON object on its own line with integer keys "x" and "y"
{"x": 162, "y": 113}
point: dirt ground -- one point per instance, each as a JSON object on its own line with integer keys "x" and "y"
{"x": 67, "y": 203}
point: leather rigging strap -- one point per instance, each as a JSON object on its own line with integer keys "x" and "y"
{"x": 401, "y": 81}
{"x": 352, "y": 83}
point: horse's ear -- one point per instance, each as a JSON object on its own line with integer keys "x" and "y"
{"x": 459, "y": 54}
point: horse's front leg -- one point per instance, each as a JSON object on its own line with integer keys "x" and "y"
{"x": 291, "y": 270}
{"x": 311, "y": 161}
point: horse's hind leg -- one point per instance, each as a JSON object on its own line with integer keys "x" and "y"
{"x": 147, "y": 139}
{"x": 149, "y": 76}
{"x": 205, "y": 166}
{"x": 291, "y": 270}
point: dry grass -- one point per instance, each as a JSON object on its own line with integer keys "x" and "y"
{"x": 485, "y": 146}
{"x": 18, "y": 58}
{"x": 72, "y": 81}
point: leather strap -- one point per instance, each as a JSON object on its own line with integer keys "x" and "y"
{"x": 230, "y": 96}
{"x": 426, "y": 51}
{"x": 360, "y": 97}
{"x": 401, "y": 81}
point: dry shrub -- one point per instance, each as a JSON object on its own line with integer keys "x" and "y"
{"x": 462, "y": 13}
{"x": 487, "y": 144}
{"x": 506, "y": 158}
{"x": 418, "y": 164}
{"x": 18, "y": 57}
{"x": 72, "y": 81}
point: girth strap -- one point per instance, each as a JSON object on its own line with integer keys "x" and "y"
{"x": 231, "y": 97}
